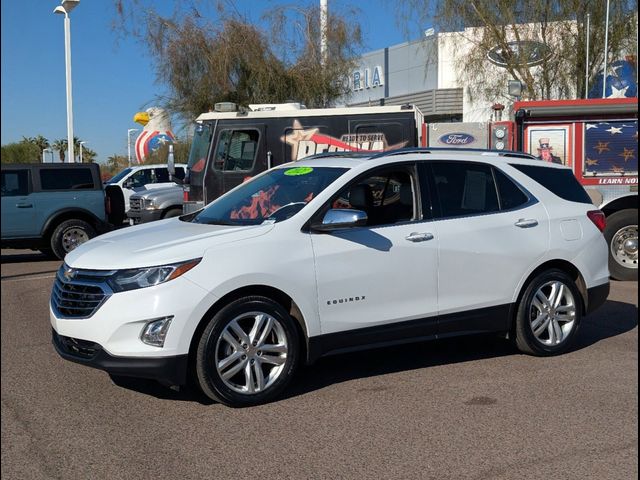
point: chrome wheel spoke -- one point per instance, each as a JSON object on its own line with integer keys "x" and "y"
{"x": 542, "y": 327}
{"x": 258, "y": 374}
{"x": 541, "y": 299}
{"x": 272, "y": 359}
{"x": 248, "y": 378}
{"x": 237, "y": 329}
{"x": 233, "y": 370}
{"x": 557, "y": 330}
{"x": 537, "y": 321}
{"x": 261, "y": 329}
{"x": 569, "y": 317}
{"x": 273, "y": 348}
{"x": 227, "y": 337}
{"x": 556, "y": 294}
{"x": 225, "y": 362}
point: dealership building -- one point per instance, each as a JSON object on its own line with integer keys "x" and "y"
{"x": 423, "y": 72}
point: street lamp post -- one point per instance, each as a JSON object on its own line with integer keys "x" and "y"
{"x": 129, "y": 132}
{"x": 65, "y": 9}
{"x": 49, "y": 151}
{"x": 81, "y": 143}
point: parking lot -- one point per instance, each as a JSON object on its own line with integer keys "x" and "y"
{"x": 470, "y": 408}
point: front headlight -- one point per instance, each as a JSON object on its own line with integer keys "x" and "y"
{"x": 148, "y": 204}
{"x": 124, "y": 280}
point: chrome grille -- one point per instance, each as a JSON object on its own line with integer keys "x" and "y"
{"x": 80, "y": 295}
{"x": 136, "y": 203}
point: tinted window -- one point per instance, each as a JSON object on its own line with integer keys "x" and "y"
{"x": 161, "y": 175}
{"x": 562, "y": 182}
{"x": 465, "y": 188}
{"x": 66, "y": 179}
{"x": 15, "y": 183}
{"x": 510, "y": 194}
{"x": 236, "y": 149}
{"x": 140, "y": 178}
{"x": 387, "y": 197}
{"x": 179, "y": 173}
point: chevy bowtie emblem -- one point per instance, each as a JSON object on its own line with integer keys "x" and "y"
{"x": 69, "y": 274}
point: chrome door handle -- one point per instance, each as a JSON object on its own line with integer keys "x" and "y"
{"x": 527, "y": 223}
{"x": 419, "y": 237}
{"x": 24, "y": 205}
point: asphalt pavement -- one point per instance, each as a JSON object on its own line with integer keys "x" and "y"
{"x": 470, "y": 408}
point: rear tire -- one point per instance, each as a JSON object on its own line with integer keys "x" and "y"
{"x": 68, "y": 235}
{"x": 621, "y": 234}
{"x": 247, "y": 353}
{"x": 549, "y": 314}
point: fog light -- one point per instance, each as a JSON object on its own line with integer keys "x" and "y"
{"x": 155, "y": 331}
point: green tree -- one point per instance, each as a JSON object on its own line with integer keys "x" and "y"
{"x": 39, "y": 141}
{"x": 61, "y": 146}
{"x": 560, "y": 24}
{"x": 20, "y": 152}
{"x": 204, "y": 59}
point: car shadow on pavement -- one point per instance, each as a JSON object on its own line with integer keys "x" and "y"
{"x": 612, "y": 319}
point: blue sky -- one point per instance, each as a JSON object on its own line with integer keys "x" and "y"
{"x": 113, "y": 77}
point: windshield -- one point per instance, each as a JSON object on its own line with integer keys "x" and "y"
{"x": 277, "y": 195}
{"x": 119, "y": 176}
{"x": 200, "y": 146}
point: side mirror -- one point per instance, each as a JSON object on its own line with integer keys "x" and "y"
{"x": 341, "y": 218}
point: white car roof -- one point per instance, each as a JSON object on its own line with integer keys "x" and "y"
{"x": 346, "y": 160}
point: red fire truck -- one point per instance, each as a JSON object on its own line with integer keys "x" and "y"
{"x": 597, "y": 138}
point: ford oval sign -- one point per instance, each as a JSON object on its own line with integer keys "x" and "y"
{"x": 457, "y": 139}
{"x": 524, "y": 52}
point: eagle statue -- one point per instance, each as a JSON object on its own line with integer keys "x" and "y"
{"x": 156, "y": 132}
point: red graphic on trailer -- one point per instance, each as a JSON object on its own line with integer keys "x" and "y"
{"x": 309, "y": 142}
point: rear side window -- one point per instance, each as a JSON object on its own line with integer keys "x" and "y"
{"x": 510, "y": 194}
{"x": 66, "y": 179}
{"x": 15, "y": 183}
{"x": 465, "y": 189}
{"x": 561, "y": 182}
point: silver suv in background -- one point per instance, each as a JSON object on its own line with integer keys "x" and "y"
{"x": 155, "y": 204}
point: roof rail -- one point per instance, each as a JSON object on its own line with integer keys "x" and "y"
{"x": 342, "y": 153}
{"x": 409, "y": 150}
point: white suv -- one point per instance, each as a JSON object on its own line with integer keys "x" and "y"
{"x": 333, "y": 254}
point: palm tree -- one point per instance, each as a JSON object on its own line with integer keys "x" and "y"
{"x": 39, "y": 141}
{"x": 61, "y": 146}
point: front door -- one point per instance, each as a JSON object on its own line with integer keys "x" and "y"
{"x": 380, "y": 279}
{"x": 18, "y": 205}
{"x": 238, "y": 155}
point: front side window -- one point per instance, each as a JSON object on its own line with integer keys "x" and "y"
{"x": 141, "y": 178}
{"x": 465, "y": 189}
{"x": 387, "y": 196}
{"x": 236, "y": 150}
{"x": 119, "y": 176}
{"x": 276, "y": 195}
{"x": 66, "y": 179}
{"x": 15, "y": 183}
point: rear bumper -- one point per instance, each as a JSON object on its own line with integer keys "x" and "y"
{"x": 167, "y": 370}
{"x": 596, "y": 296}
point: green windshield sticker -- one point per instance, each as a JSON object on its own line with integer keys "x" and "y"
{"x": 294, "y": 172}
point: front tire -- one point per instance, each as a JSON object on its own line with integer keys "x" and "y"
{"x": 621, "y": 234}
{"x": 549, "y": 314}
{"x": 70, "y": 234}
{"x": 247, "y": 353}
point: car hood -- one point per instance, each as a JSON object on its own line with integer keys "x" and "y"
{"x": 157, "y": 243}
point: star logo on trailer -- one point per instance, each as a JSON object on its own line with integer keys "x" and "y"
{"x": 602, "y": 147}
{"x": 627, "y": 154}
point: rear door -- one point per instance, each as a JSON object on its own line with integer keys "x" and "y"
{"x": 491, "y": 231}
{"x": 18, "y": 204}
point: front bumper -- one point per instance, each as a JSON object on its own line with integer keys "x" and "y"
{"x": 168, "y": 370}
{"x": 137, "y": 217}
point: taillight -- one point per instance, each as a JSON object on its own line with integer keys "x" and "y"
{"x": 185, "y": 193}
{"x": 598, "y": 219}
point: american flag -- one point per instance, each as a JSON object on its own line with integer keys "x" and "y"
{"x": 150, "y": 140}
{"x": 611, "y": 148}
